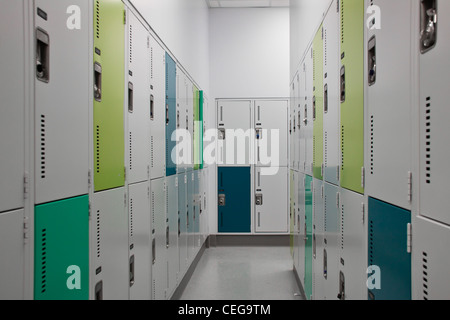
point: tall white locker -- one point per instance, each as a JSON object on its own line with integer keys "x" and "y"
{"x": 318, "y": 239}
{"x": 157, "y": 110}
{"x": 172, "y": 232}
{"x": 14, "y": 99}
{"x": 12, "y": 251}
{"x": 228, "y": 124}
{"x": 140, "y": 250}
{"x": 308, "y": 121}
{"x": 331, "y": 65}
{"x": 434, "y": 111}
{"x": 62, "y": 99}
{"x": 110, "y": 251}
{"x": 271, "y": 208}
{"x": 137, "y": 103}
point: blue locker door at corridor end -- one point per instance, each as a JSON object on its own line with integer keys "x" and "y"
{"x": 171, "y": 114}
{"x": 234, "y": 199}
{"x": 390, "y": 250}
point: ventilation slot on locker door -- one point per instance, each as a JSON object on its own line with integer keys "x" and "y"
{"x": 43, "y": 146}
{"x": 131, "y": 217}
{"x": 371, "y": 243}
{"x": 325, "y": 156}
{"x": 97, "y": 20}
{"x": 342, "y": 148}
{"x": 428, "y": 140}
{"x": 342, "y": 228}
{"x": 153, "y": 208}
{"x": 151, "y": 63}
{"x": 98, "y": 233}
{"x": 131, "y": 150}
{"x": 325, "y": 52}
{"x": 342, "y": 21}
{"x": 372, "y": 135}
{"x": 152, "y": 157}
{"x": 43, "y": 260}
{"x": 425, "y": 283}
{"x": 97, "y": 149}
{"x": 131, "y": 43}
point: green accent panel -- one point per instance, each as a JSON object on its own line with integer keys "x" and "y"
{"x": 309, "y": 231}
{"x": 109, "y": 53}
{"x": 291, "y": 211}
{"x": 61, "y": 240}
{"x": 352, "y": 109}
{"x": 197, "y": 126}
{"x": 201, "y": 133}
{"x": 318, "y": 98}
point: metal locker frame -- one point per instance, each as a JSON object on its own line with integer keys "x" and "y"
{"x": 206, "y": 126}
{"x": 318, "y": 239}
{"x": 273, "y": 115}
{"x": 12, "y": 251}
{"x": 352, "y": 95}
{"x": 182, "y": 221}
{"x": 15, "y": 95}
{"x": 171, "y": 113}
{"x": 308, "y": 122}
{"x": 138, "y": 101}
{"x": 109, "y": 88}
{"x": 159, "y": 242}
{"x": 196, "y": 126}
{"x": 271, "y": 208}
{"x": 308, "y": 238}
{"x": 295, "y": 223}
{"x": 331, "y": 117}
{"x": 157, "y": 110}
{"x": 61, "y": 101}
{"x": 140, "y": 240}
{"x": 318, "y": 95}
{"x": 172, "y": 225}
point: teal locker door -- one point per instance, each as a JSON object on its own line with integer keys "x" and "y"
{"x": 309, "y": 236}
{"x": 234, "y": 199}
{"x": 388, "y": 245}
{"x": 171, "y": 113}
{"x": 61, "y": 253}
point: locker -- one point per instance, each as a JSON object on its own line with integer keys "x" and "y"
{"x": 190, "y": 121}
{"x": 291, "y": 209}
{"x": 172, "y": 225}
{"x": 59, "y": 125}
{"x": 332, "y": 242}
{"x": 234, "y": 198}
{"x": 317, "y": 112}
{"x": 109, "y": 78}
{"x": 182, "y": 218}
{"x": 12, "y": 113}
{"x": 171, "y": 114}
{"x": 206, "y": 126}
{"x": 182, "y": 120}
{"x": 294, "y": 222}
{"x": 227, "y": 124}
{"x": 12, "y": 251}
{"x": 389, "y": 141}
{"x": 431, "y": 259}
{"x": 331, "y": 135}
{"x": 138, "y": 101}
{"x": 389, "y": 249}
{"x": 318, "y": 239}
{"x": 271, "y": 202}
{"x": 190, "y": 216}
{"x": 353, "y": 246}
{"x": 302, "y": 112}
{"x": 298, "y": 122}
{"x": 110, "y": 266}
{"x": 159, "y": 242}
{"x": 308, "y": 239}
{"x": 434, "y": 149}
{"x": 300, "y": 226}
{"x": 204, "y": 212}
{"x": 157, "y": 110}
{"x": 272, "y": 115}
{"x": 140, "y": 240}
{"x": 352, "y": 94}
{"x": 291, "y": 113}
{"x": 308, "y": 121}
{"x": 197, "y": 202}
{"x": 196, "y": 126}
{"x": 61, "y": 250}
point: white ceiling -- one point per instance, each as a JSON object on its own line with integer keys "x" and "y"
{"x": 247, "y": 3}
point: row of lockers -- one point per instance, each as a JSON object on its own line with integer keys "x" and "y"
{"x": 367, "y": 105}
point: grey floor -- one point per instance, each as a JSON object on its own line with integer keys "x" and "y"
{"x": 243, "y": 273}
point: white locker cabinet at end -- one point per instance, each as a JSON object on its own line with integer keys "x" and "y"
{"x": 157, "y": 110}
{"x": 172, "y": 232}
{"x": 318, "y": 239}
{"x": 137, "y": 140}
{"x": 62, "y": 100}
{"x": 270, "y": 208}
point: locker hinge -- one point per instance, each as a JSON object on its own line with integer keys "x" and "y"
{"x": 337, "y": 199}
{"x": 337, "y": 172}
{"x": 363, "y": 177}
{"x": 125, "y": 17}
{"x": 125, "y": 199}
{"x": 363, "y": 211}
{"x": 148, "y": 171}
{"x": 26, "y": 229}
{"x": 409, "y": 186}
{"x": 26, "y": 189}
{"x": 125, "y": 173}
{"x": 321, "y": 169}
{"x": 321, "y": 189}
{"x": 89, "y": 179}
{"x": 89, "y": 210}
{"x": 409, "y": 238}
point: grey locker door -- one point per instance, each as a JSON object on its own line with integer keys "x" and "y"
{"x": 182, "y": 220}
{"x": 308, "y": 120}
{"x": 137, "y": 140}
{"x": 62, "y": 100}
{"x": 110, "y": 248}
{"x": 318, "y": 239}
{"x": 183, "y": 146}
{"x": 172, "y": 224}
{"x": 140, "y": 252}
{"x": 12, "y": 251}
{"x": 290, "y": 129}
{"x": 12, "y": 112}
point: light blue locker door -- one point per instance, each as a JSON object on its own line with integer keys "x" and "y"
{"x": 171, "y": 114}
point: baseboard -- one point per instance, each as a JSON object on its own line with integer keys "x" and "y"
{"x": 219, "y": 240}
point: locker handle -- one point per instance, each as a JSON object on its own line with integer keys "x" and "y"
{"x": 259, "y": 219}
{"x": 131, "y": 270}
{"x": 167, "y": 114}
{"x": 325, "y": 264}
{"x": 299, "y": 119}
{"x": 305, "y": 119}
{"x": 178, "y": 119}
{"x": 343, "y": 84}
{"x": 187, "y": 123}
{"x": 130, "y": 97}
{"x": 98, "y": 291}
{"x": 428, "y": 25}
{"x": 98, "y": 82}
{"x": 152, "y": 107}
{"x": 314, "y": 108}
{"x": 325, "y": 98}
{"x": 42, "y": 55}
{"x": 153, "y": 251}
{"x": 372, "y": 61}
{"x": 167, "y": 237}
{"x": 222, "y": 200}
{"x": 259, "y": 199}
{"x": 179, "y": 225}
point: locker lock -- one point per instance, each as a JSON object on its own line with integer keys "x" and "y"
{"x": 221, "y": 200}
{"x": 428, "y": 25}
{"x": 258, "y": 133}
{"x": 259, "y": 199}
{"x": 221, "y": 133}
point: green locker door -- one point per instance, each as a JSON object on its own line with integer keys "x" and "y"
{"x": 309, "y": 236}
{"x": 318, "y": 91}
{"x": 197, "y": 126}
{"x": 109, "y": 75}
{"x": 61, "y": 251}
{"x": 352, "y": 94}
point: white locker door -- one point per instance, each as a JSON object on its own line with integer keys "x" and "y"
{"x": 110, "y": 250}
{"x": 301, "y": 229}
{"x": 434, "y": 113}
{"x": 204, "y": 205}
{"x": 173, "y": 263}
{"x": 190, "y": 216}
{"x": 271, "y": 207}
{"x": 296, "y": 221}
{"x": 140, "y": 241}
{"x": 137, "y": 140}
{"x": 308, "y": 120}
{"x": 182, "y": 209}
{"x": 318, "y": 237}
{"x": 353, "y": 252}
{"x": 182, "y": 121}
{"x": 234, "y": 115}
{"x": 290, "y": 126}
{"x": 157, "y": 110}
{"x": 62, "y": 99}
{"x": 159, "y": 241}
{"x": 431, "y": 259}
{"x": 272, "y": 133}
{"x": 12, "y": 112}
{"x": 298, "y": 122}
{"x": 12, "y": 251}
{"x": 301, "y": 114}
{"x": 331, "y": 88}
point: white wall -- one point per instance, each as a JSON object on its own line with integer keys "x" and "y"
{"x": 183, "y": 27}
{"x": 249, "y": 52}
{"x": 305, "y": 18}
